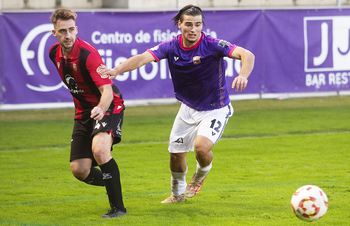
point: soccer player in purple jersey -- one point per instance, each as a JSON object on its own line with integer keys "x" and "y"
{"x": 99, "y": 110}
{"x": 198, "y": 73}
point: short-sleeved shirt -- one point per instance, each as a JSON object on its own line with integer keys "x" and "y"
{"x": 198, "y": 73}
{"x": 79, "y": 73}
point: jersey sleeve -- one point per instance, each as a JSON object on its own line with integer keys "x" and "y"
{"x": 160, "y": 51}
{"x": 224, "y": 47}
{"x": 94, "y": 60}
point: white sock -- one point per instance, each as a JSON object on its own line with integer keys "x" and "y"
{"x": 203, "y": 171}
{"x": 178, "y": 183}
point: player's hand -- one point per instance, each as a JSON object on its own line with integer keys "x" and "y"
{"x": 97, "y": 113}
{"x": 106, "y": 72}
{"x": 239, "y": 83}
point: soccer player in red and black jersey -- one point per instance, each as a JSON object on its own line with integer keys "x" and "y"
{"x": 99, "y": 110}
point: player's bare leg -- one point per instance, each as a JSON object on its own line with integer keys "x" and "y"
{"x": 82, "y": 169}
{"x": 203, "y": 147}
{"x": 204, "y": 157}
{"x": 178, "y": 168}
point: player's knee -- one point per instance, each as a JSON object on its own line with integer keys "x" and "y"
{"x": 79, "y": 172}
{"x": 98, "y": 153}
{"x": 202, "y": 148}
{"x": 204, "y": 155}
{"x": 177, "y": 157}
{"x": 101, "y": 155}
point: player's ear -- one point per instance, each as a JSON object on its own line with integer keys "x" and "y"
{"x": 178, "y": 24}
{"x": 76, "y": 28}
{"x": 54, "y": 32}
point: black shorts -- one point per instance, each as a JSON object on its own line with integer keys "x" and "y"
{"x": 85, "y": 129}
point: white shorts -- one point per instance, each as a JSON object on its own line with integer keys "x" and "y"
{"x": 190, "y": 123}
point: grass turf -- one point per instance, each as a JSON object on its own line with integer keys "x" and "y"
{"x": 269, "y": 149}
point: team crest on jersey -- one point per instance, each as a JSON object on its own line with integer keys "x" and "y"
{"x": 58, "y": 65}
{"x": 75, "y": 67}
{"x": 196, "y": 60}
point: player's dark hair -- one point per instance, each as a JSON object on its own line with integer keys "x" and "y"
{"x": 189, "y": 10}
{"x": 62, "y": 14}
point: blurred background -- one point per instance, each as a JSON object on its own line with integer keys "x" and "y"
{"x": 163, "y": 4}
{"x": 302, "y": 47}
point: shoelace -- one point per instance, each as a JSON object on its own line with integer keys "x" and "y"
{"x": 196, "y": 182}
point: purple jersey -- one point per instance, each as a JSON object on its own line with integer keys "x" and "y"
{"x": 198, "y": 73}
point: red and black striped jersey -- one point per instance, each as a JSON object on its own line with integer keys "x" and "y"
{"x": 78, "y": 72}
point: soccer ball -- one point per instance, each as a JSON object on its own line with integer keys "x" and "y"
{"x": 309, "y": 203}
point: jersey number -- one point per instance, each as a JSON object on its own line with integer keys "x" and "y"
{"x": 218, "y": 125}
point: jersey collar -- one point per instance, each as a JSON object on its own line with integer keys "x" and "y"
{"x": 75, "y": 49}
{"x": 185, "y": 48}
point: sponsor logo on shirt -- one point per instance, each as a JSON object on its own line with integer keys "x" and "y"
{"x": 102, "y": 76}
{"x": 75, "y": 67}
{"x": 72, "y": 84}
{"x": 224, "y": 44}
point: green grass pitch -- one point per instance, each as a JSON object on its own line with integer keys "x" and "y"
{"x": 269, "y": 149}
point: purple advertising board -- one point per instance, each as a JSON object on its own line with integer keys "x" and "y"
{"x": 297, "y": 51}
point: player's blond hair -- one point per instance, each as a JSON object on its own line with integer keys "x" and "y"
{"x": 62, "y": 14}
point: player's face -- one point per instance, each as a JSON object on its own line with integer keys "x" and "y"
{"x": 65, "y": 31}
{"x": 191, "y": 27}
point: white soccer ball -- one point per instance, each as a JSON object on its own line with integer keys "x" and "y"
{"x": 309, "y": 203}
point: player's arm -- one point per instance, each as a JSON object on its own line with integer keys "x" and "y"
{"x": 130, "y": 64}
{"x": 247, "y": 58}
{"x": 98, "y": 112}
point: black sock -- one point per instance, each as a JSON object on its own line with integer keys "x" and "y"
{"x": 111, "y": 177}
{"x": 95, "y": 177}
